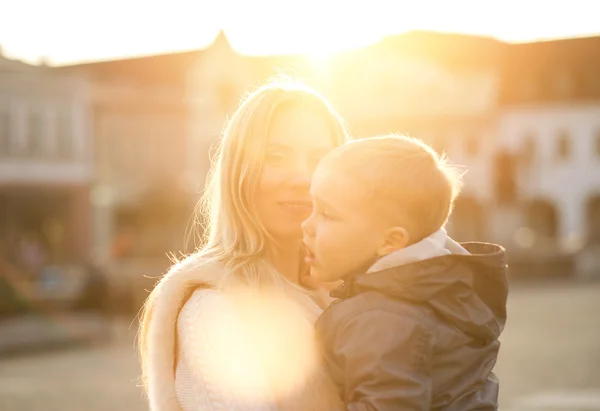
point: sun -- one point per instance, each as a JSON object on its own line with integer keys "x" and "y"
{"x": 317, "y": 29}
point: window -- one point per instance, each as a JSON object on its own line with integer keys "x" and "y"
{"x": 505, "y": 179}
{"x": 593, "y": 217}
{"x": 563, "y": 149}
{"x": 5, "y": 130}
{"x": 528, "y": 149}
{"x": 64, "y": 135}
{"x": 543, "y": 218}
{"x": 35, "y": 133}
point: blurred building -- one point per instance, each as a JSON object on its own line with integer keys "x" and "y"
{"x": 216, "y": 82}
{"x": 155, "y": 120}
{"x": 521, "y": 118}
{"x": 139, "y": 197}
{"x": 45, "y": 164}
{"x": 549, "y": 133}
{"x": 441, "y": 88}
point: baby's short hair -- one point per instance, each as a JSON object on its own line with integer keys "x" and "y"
{"x": 412, "y": 182}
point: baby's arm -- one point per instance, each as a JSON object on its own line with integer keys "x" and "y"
{"x": 387, "y": 362}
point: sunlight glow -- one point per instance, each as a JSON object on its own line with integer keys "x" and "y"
{"x": 110, "y": 29}
{"x": 275, "y": 348}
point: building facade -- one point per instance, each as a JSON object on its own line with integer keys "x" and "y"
{"x": 522, "y": 119}
{"x": 46, "y": 162}
{"x": 549, "y": 125}
{"x": 139, "y": 198}
{"x": 442, "y": 89}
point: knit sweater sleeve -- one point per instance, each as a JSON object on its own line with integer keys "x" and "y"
{"x": 217, "y": 368}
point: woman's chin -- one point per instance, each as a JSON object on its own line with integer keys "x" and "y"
{"x": 286, "y": 233}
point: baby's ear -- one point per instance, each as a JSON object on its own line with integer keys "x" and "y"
{"x": 396, "y": 238}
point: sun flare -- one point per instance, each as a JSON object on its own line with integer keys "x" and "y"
{"x": 276, "y": 346}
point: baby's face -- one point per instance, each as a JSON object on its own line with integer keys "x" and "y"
{"x": 343, "y": 234}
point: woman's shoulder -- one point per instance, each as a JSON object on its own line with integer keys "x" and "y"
{"x": 207, "y": 308}
{"x": 191, "y": 272}
{"x": 205, "y": 301}
{"x": 197, "y": 265}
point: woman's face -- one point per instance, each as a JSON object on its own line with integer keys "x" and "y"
{"x": 298, "y": 138}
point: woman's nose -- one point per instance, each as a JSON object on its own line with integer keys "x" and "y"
{"x": 301, "y": 171}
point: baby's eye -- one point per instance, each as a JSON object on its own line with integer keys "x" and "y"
{"x": 324, "y": 214}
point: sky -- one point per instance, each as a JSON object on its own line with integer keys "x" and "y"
{"x": 68, "y": 31}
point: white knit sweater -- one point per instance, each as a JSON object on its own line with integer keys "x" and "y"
{"x": 216, "y": 351}
{"x": 207, "y": 318}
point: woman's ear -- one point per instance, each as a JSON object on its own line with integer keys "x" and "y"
{"x": 396, "y": 238}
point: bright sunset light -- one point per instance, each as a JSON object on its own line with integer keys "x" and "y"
{"x": 206, "y": 204}
{"x": 69, "y": 31}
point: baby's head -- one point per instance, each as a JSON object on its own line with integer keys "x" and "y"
{"x": 372, "y": 197}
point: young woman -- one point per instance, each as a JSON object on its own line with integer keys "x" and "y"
{"x": 231, "y": 327}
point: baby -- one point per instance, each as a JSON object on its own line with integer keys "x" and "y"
{"x": 416, "y": 322}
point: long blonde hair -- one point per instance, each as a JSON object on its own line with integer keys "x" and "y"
{"x": 234, "y": 237}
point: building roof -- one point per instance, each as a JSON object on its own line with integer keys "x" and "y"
{"x": 571, "y": 51}
{"x": 161, "y": 69}
{"x": 453, "y": 51}
{"x": 171, "y": 68}
{"x": 458, "y": 51}
{"x": 551, "y": 71}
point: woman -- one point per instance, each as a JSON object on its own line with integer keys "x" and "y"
{"x": 230, "y": 327}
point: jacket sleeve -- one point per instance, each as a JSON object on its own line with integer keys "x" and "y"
{"x": 216, "y": 368}
{"x": 386, "y": 361}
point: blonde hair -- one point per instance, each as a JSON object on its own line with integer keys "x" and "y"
{"x": 415, "y": 185}
{"x": 234, "y": 237}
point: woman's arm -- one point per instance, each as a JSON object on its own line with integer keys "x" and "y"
{"x": 217, "y": 368}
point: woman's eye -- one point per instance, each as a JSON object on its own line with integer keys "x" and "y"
{"x": 274, "y": 157}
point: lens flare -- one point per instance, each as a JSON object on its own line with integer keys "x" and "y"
{"x": 270, "y": 351}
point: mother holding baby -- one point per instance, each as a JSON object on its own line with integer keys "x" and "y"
{"x": 231, "y": 327}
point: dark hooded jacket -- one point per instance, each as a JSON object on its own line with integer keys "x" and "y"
{"x": 421, "y": 336}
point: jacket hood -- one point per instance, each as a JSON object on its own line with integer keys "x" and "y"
{"x": 468, "y": 291}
